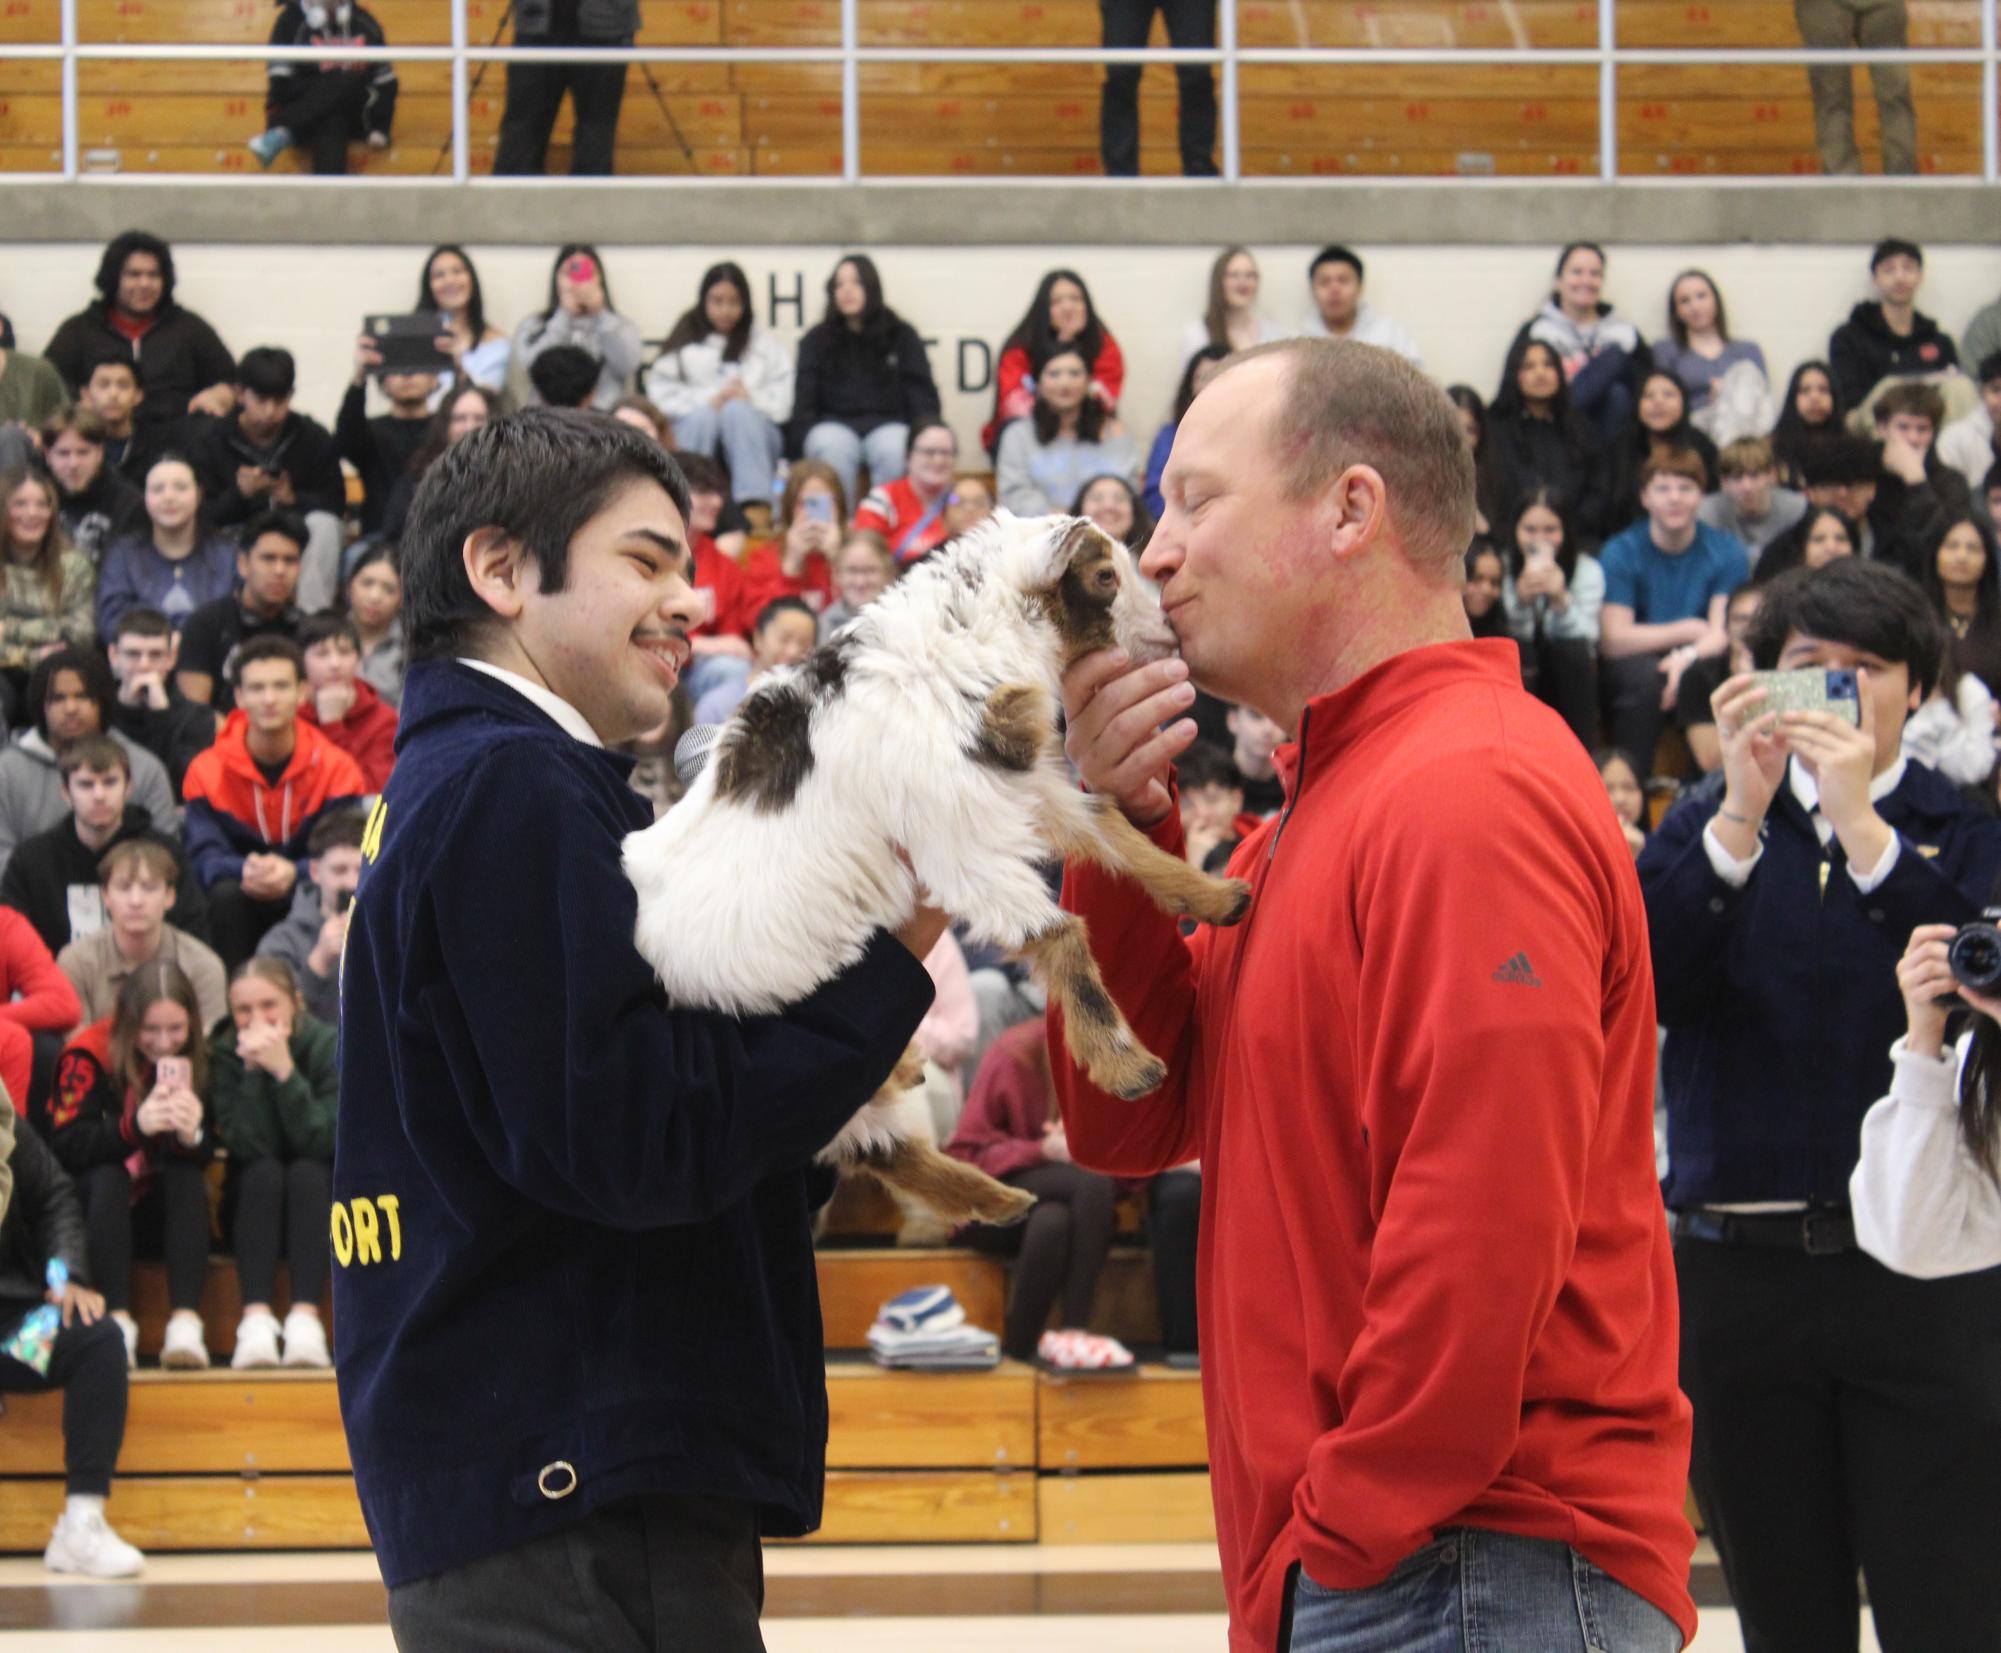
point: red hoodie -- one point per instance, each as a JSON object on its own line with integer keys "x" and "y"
{"x": 718, "y": 572}
{"x": 1435, "y": 1280}
{"x": 367, "y": 734}
{"x": 47, "y": 1002}
{"x": 234, "y": 812}
{"x": 765, "y": 580}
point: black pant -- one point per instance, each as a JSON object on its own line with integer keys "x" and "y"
{"x": 1175, "y": 1212}
{"x": 237, "y": 922}
{"x": 1845, "y": 1416}
{"x": 171, "y": 1218}
{"x": 1562, "y": 672}
{"x": 660, "y": 1574}
{"x": 1061, "y": 1250}
{"x": 535, "y": 94}
{"x": 274, "y": 1199}
{"x": 324, "y": 117}
{"x": 87, "y": 1363}
{"x": 1191, "y": 24}
{"x": 1631, "y": 685}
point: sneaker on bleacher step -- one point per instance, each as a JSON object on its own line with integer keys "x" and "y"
{"x": 184, "y": 1350}
{"x": 268, "y": 146}
{"x": 306, "y": 1341}
{"x": 256, "y": 1341}
{"x": 130, "y": 1328}
{"x": 86, "y": 1544}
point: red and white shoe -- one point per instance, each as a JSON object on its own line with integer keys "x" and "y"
{"x": 1077, "y": 1351}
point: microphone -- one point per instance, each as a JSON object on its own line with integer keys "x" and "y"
{"x": 691, "y": 751}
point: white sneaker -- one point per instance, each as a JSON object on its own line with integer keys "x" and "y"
{"x": 184, "y": 1349}
{"x": 306, "y": 1341}
{"x": 130, "y": 1328}
{"x": 256, "y": 1341}
{"x": 86, "y": 1544}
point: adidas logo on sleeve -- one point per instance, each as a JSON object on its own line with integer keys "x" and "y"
{"x": 1518, "y": 972}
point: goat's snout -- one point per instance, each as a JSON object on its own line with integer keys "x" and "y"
{"x": 1138, "y": 622}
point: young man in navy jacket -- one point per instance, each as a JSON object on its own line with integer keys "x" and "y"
{"x": 577, "y": 1323}
{"x": 1845, "y": 1416}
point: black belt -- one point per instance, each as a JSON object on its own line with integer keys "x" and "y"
{"x": 1817, "y": 1233}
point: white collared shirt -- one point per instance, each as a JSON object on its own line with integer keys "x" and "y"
{"x": 571, "y": 721}
{"x": 1806, "y": 789}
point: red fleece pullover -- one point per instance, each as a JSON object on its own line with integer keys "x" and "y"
{"x": 1435, "y": 1281}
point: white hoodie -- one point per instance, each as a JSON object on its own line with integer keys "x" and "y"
{"x": 680, "y": 383}
{"x": 1923, "y": 1204}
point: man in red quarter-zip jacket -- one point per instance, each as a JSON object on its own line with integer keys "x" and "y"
{"x": 1437, "y": 1298}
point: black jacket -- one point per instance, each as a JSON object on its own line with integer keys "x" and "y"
{"x": 286, "y": 82}
{"x": 43, "y": 1221}
{"x": 1780, "y": 998}
{"x": 1906, "y": 519}
{"x": 176, "y": 735}
{"x": 304, "y": 451}
{"x": 1864, "y": 352}
{"x": 109, "y": 509}
{"x": 379, "y": 449}
{"x": 180, "y": 354}
{"x": 850, "y": 379}
{"x": 533, "y": 1145}
{"x": 51, "y": 874}
{"x": 1530, "y": 453}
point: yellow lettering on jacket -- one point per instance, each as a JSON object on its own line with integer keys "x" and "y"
{"x": 357, "y": 1230}
{"x": 371, "y": 835}
{"x": 390, "y": 1205}
{"x": 367, "y": 1237}
{"x": 343, "y": 1235}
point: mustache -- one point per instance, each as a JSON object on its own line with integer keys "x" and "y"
{"x": 650, "y": 633}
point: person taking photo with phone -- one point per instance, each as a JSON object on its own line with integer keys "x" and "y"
{"x": 1846, "y": 1417}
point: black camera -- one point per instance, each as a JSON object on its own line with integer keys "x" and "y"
{"x": 1975, "y": 954}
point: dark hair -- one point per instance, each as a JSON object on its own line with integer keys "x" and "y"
{"x": 879, "y": 323}
{"x": 1979, "y": 1113}
{"x": 1142, "y": 528}
{"x": 1912, "y": 398}
{"x": 336, "y": 829}
{"x": 111, "y": 355}
{"x": 1336, "y": 254}
{"x": 1990, "y": 368}
{"x": 693, "y": 326}
{"x": 1983, "y": 636}
{"x": 1034, "y": 334}
{"x": 1090, "y": 412}
{"x": 280, "y": 521}
{"x": 1789, "y": 551}
{"x": 1792, "y": 436}
{"x": 564, "y": 375}
{"x": 1865, "y": 605}
{"x": 1563, "y": 258}
{"x": 1215, "y": 318}
{"x": 90, "y": 666}
{"x": 76, "y": 419}
{"x": 540, "y": 476}
{"x": 1494, "y": 623}
{"x": 100, "y": 754}
{"x": 269, "y": 371}
{"x": 365, "y": 553}
{"x": 921, "y": 427}
{"x": 122, "y": 247}
{"x": 1992, "y": 479}
{"x": 322, "y": 628}
{"x": 1184, "y": 394}
{"x": 1679, "y": 329}
{"x": 1207, "y": 764}
{"x": 439, "y": 437}
{"x": 1486, "y": 483}
{"x": 703, "y": 474}
{"x": 779, "y": 606}
{"x": 1603, "y": 757}
{"x": 475, "y": 306}
{"x": 1892, "y": 247}
{"x": 1510, "y": 407}
{"x": 268, "y": 646}
{"x": 140, "y": 620}
{"x": 1843, "y": 458}
{"x": 149, "y": 983}
{"x": 47, "y": 560}
{"x": 564, "y": 254}
{"x": 1550, "y": 500}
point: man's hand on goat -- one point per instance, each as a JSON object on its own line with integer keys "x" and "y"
{"x": 1120, "y": 737}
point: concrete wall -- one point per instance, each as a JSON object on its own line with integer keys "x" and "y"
{"x": 1463, "y": 297}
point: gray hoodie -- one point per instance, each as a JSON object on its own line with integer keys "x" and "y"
{"x": 293, "y": 939}
{"x": 31, "y": 790}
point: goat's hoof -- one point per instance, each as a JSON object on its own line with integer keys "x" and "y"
{"x": 1129, "y": 1075}
{"x": 1234, "y": 901}
{"x": 1003, "y": 1206}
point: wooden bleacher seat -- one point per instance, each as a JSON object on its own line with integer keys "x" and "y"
{"x": 1027, "y": 120}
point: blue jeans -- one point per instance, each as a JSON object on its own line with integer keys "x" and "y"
{"x": 841, "y": 448}
{"x": 1474, "y": 1591}
{"x": 750, "y": 444}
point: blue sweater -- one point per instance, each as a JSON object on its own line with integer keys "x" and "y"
{"x": 1780, "y": 999}
{"x": 571, "y": 1226}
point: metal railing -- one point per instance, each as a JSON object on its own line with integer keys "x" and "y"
{"x": 851, "y": 56}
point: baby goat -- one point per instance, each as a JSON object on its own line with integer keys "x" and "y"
{"x": 928, "y": 722}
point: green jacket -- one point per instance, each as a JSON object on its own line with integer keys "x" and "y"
{"x": 258, "y": 1118}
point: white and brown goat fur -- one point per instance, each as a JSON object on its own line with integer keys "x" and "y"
{"x": 928, "y": 722}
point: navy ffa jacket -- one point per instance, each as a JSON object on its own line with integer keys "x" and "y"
{"x": 1780, "y": 999}
{"x": 572, "y": 1227}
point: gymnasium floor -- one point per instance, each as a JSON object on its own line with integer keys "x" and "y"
{"x": 966, "y": 1599}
